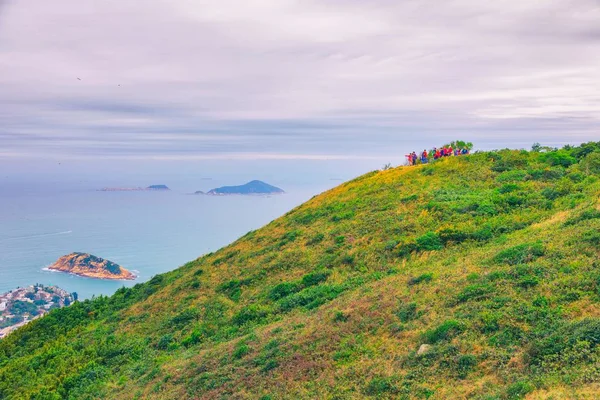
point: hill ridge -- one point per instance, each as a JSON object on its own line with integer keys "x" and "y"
{"x": 495, "y": 270}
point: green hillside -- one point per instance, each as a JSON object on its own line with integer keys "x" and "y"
{"x": 473, "y": 277}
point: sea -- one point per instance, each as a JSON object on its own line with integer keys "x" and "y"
{"x": 147, "y": 232}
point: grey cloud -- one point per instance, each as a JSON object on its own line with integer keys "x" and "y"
{"x": 285, "y": 77}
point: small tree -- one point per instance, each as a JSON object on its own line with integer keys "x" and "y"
{"x": 386, "y": 167}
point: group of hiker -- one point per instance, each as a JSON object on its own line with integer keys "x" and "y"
{"x": 425, "y": 156}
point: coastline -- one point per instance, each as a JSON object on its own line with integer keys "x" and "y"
{"x": 135, "y": 275}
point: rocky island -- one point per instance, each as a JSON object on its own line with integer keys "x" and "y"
{"x": 90, "y": 266}
{"x": 250, "y": 188}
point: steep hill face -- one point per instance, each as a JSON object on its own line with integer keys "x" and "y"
{"x": 473, "y": 277}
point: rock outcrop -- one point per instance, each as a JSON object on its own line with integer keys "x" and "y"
{"x": 84, "y": 264}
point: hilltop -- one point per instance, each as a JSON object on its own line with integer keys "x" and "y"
{"x": 472, "y": 277}
{"x": 252, "y": 187}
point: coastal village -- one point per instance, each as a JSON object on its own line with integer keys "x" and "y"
{"x": 22, "y": 305}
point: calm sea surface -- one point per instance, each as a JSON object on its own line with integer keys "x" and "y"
{"x": 146, "y": 232}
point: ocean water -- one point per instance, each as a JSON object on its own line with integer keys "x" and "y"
{"x": 146, "y": 232}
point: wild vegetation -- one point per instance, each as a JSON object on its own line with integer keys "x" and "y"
{"x": 471, "y": 277}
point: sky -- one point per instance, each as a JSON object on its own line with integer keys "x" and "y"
{"x": 89, "y": 82}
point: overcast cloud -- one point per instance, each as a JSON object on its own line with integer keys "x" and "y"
{"x": 194, "y": 79}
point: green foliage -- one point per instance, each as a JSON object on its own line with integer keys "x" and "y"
{"x": 420, "y": 279}
{"x": 429, "y": 241}
{"x": 315, "y": 278}
{"x": 379, "y": 386}
{"x": 520, "y": 254}
{"x": 407, "y": 312}
{"x": 519, "y": 390}
{"x": 446, "y": 331}
{"x": 283, "y": 290}
{"x": 311, "y": 297}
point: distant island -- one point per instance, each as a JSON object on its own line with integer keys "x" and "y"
{"x": 20, "y": 306}
{"x": 90, "y": 266}
{"x": 136, "y": 189}
{"x": 250, "y": 188}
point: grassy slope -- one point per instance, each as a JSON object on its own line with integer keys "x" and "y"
{"x": 491, "y": 259}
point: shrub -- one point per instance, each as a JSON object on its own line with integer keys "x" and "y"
{"x": 316, "y": 239}
{"x": 164, "y": 342}
{"x": 558, "y": 158}
{"x": 465, "y": 364}
{"x": 591, "y": 163}
{"x": 184, "y": 317}
{"x": 520, "y": 254}
{"x": 250, "y": 314}
{"x": 314, "y": 278}
{"x": 592, "y": 237}
{"x": 508, "y": 188}
{"x": 283, "y": 290}
{"x": 446, "y": 331}
{"x": 240, "y": 351}
{"x": 380, "y": 386}
{"x": 584, "y": 216}
{"x": 311, "y": 297}
{"x": 289, "y": 237}
{"x": 340, "y": 317}
{"x": 231, "y": 289}
{"x": 519, "y": 390}
{"x": 565, "y": 338}
{"x": 507, "y": 161}
{"x": 407, "y": 312}
{"x": 512, "y": 176}
{"x": 474, "y": 292}
{"x": 420, "y": 279}
{"x": 429, "y": 241}
{"x": 449, "y": 235}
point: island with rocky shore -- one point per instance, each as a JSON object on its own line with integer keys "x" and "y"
{"x": 90, "y": 266}
{"x": 251, "y": 188}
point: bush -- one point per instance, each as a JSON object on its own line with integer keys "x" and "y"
{"x": 420, "y": 279}
{"x": 250, "y": 314}
{"x": 508, "y": 188}
{"x": 584, "y": 216}
{"x": 474, "y": 292}
{"x": 445, "y": 331}
{"x": 519, "y": 390}
{"x": 240, "y": 351}
{"x": 380, "y": 386}
{"x": 283, "y": 290}
{"x": 316, "y": 239}
{"x": 449, "y": 235}
{"x": 512, "y": 176}
{"x": 340, "y": 317}
{"x": 564, "y": 339}
{"x": 429, "y": 241}
{"x": 520, "y": 254}
{"x": 311, "y": 297}
{"x": 314, "y": 278}
{"x": 591, "y": 163}
{"x": 465, "y": 364}
{"x": 231, "y": 289}
{"x": 407, "y": 312}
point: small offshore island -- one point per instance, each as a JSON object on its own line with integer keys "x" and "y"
{"x": 251, "y": 188}
{"x": 135, "y": 189}
{"x": 90, "y": 266}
